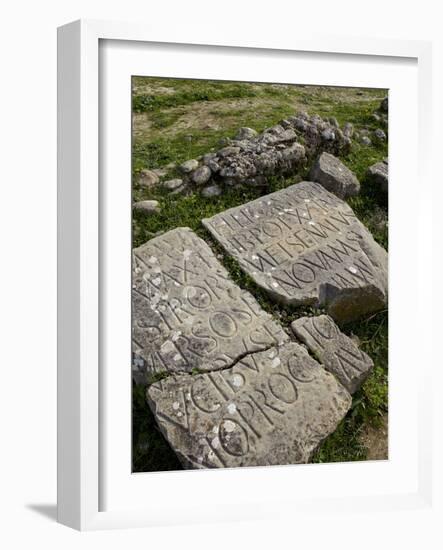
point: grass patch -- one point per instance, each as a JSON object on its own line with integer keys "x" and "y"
{"x": 201, "y": 90}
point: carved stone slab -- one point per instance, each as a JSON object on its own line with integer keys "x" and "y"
{"x": 304, "y": 245}
{"x": 187, "y": 313}
{"x": 272, "y": 407}
{"x": 336, "y": 351}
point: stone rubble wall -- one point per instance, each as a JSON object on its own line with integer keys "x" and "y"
{"x": 250, "y": 158}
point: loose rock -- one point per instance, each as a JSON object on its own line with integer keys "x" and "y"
{"x": 348, "y": 130}
{"x": 364, "y": 140}
{"x": 182, "y": 189}
{"x": 187, "y": 313}
{"x": 188, "y": 166}
{"x": 245, "y": 133}
{"x": 148, "y": 207}
{"x": 273, "y": 407}
{"x": 160, "y": 172}
{"x": 228, "y": 151}
{"x": 173, "y": 184}
{"x": 338, "y": 353}
{"x": 211, "y": 191}
{"x": 148, "y": 178}
{"x": 379, "y": 174}
{"x": 201, "y": 175}
{"x": 305, "y": 246}
{"x": 384, "y": 105}
{"x": 334, "y": 176}
{"x": 208, "y": 158}
{"x": 379, "y": 134}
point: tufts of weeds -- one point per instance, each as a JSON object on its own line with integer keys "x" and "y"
{"x": 343, "y": 445}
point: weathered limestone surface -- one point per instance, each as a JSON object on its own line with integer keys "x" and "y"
{"x": 336, "y": 351}
{"x": 334, "y": 176}
{"x": 305, "y": 246}
{"x": 272, "y": 407}
{"x": 187, "y": 313}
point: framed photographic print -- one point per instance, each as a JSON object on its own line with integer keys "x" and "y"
{"x": 232, "y": 317}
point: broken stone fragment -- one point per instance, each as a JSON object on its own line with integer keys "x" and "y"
{"x": 148, "y": 178}
{"x": 148, "y": 207}
{"x": 188, "y": 166}
{"x": 272, "y": 407}
{"x": 211, "y": 191}
{"x": 201, "y": 175}
{"x": 305, "y": 246}
{"x": 245, "y": 133}
{"x": 278, "y": 134}
{"x": 348, "y": 130}
{"x": 328, "y": 134}
{"x": 300, "y": 124}
{"x": 228, "y": 151}
{"x": 160, "y": 172}
{"x": 334, "y": 176}
{"x": 179, "y": 190}
{"x": 364, "y": 140}
{"x": 379, "y": 134}
{"x": 208, "y": 157}
{"x": 173, "y": 184}
{"x": 336, "y": 351}
{"x": 187, "y": 312}
{"x": 379, "y": 174}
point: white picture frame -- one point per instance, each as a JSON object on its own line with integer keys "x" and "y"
{"x": 84, "y": 211}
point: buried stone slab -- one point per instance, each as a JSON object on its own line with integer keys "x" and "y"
{"x": 336, "y": 351}
{"x": 272, "y": 407}
{"x": 305, "y": 246}
{"x": 187, "y": 313}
